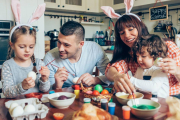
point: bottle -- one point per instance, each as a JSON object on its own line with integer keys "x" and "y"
{"x": 111, "y": 108}
{"x": 104, "y": 103}
{"x": 77, "y": 91}
{"x": 126, "y": 112}
{"x": 97, "y": 37}
{"x": 87, "y": 100}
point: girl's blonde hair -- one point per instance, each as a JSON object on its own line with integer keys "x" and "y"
{"x": 23, "y": 30}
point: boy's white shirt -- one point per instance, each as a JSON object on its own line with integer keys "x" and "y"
{"x": 158, "y": 84}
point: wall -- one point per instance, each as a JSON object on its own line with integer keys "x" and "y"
{"x": 54, "y": 23}
{"x": 152, "y": 24}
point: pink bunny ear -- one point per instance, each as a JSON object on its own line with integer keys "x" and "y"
{"x": 109, "y": 11}
{"x": 38, "y": 13}
{"x": 15, "y": 6}
{"x": 129, "y": 5}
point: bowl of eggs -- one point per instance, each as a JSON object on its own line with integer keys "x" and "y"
{"x": 123, "y": 98}
{"x": 145, "y": 108}
{"x": 61, "y": 100}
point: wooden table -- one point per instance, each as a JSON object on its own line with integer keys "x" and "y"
{"x": 4, "y": 114}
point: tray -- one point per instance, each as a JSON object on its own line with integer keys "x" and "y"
{"x": 41, "y": 109}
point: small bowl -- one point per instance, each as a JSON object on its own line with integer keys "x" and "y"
{"x": 34, "y": 95}
{"x": 124, "y": 101}
{"x": 61, "y": 104}
{"x": 144, "y": 114}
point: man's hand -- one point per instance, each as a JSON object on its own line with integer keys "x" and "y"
{"x": 28, "y": 83}
{"x": 60, "y": 77}
{"x": 88, "y": 79}
{"x": 45, "y": 72}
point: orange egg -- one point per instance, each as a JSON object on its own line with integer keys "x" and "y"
{"x": 105, "y": 91}
{"x": 131, "y": 96}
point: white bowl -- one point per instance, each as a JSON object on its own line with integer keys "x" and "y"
{"x": 61, "y": 104}
{"x": 144, "y": 114}
{"x": 124, "y": 101}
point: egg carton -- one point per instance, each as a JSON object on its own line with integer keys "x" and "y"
{"x": 41, "y": 109}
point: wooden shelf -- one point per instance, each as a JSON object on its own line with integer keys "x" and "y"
{"x": 91, "y": 23}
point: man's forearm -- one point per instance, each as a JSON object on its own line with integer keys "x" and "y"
{"x": 97, "y": 81}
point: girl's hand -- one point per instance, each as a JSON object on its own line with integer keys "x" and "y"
{"x": 168, "y": 65}
{"x": 28, "y": 83}
{"x": 45, "y": 72}
{"x": 123, "y": 84}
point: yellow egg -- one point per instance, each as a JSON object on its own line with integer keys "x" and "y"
{"x": 131, "y": 96}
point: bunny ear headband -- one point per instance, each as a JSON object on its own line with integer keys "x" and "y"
{"x": 109, "y": 11}
{"x": 15, "y": 6}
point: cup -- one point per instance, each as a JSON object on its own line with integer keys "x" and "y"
{"x": 111, "y": 108}
{"x": 126, "y": 112}
{"x": 87, "y": 100}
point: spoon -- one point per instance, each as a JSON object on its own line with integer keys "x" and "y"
{"x": 134, "y": 99}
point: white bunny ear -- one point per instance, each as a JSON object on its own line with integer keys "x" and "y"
{"x": 109, "y": 11}
{"x": 15, "y": 6}
{"x": 38, "y": 13}
{"x": 129, "y": 5}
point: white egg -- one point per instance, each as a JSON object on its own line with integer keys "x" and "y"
{"x": 17, "y": 111}
{"x": 75, "y": 80}
{"x": 32, "y": 74}
{"x": 12, "y": 106}
{"x": 29, "y": 108}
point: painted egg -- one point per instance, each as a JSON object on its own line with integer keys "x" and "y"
{"x": 98, "y": 88}
{"x": 17, "y": 111}
{"x": 89, "y": 92}
{"x": 32, "y": 74}
{"x": 29, "y": 108}
{"x": 75, "y": 80}
{"x": 157, "y": 62}
{"x": 12, "y": 106}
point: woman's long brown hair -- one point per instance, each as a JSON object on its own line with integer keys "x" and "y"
{"x": 121, "y": 50}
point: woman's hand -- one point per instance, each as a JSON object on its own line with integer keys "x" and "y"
{"x": 28, "y": 83}
{"x": 168, "y": 65}
{"x": 45, "y": 72}
{"x": 123, "y": 84}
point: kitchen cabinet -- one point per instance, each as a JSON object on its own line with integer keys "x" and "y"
{"x": 5, "y": 8}
{"x": 92, "y": 6}
{"x": 104, "y": 3}
{"x": 77, "y": 5}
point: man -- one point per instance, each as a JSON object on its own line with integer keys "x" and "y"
{"x": 75, "y": 57}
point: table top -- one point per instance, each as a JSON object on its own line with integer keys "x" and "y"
{"x": 4, "y": 114}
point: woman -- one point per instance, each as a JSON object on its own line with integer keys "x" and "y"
{"x": 128, "y": 29}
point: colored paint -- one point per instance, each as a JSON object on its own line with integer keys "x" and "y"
{"x": 148, "y": 107}
{"x": 111, "y": 108}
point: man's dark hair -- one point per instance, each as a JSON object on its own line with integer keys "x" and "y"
{"x": 73, "y": 28}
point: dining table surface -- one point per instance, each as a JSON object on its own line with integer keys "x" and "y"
{"x": 77, "y": 104}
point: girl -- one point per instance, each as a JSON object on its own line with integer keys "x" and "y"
{"x": 128, "y": 29}
{"x": 146, "y": 50}
{"x": 15, "y": 70}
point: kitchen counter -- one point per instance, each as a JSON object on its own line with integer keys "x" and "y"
{"x": 109, "y": 51}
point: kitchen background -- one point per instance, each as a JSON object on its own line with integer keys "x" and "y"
{"x": 83, "y": 10}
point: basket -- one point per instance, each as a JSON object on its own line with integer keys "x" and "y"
{"x": 95, "y": 99}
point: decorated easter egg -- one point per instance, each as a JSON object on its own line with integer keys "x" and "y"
{"x": 32, "y": 74}
{"x": 29, "y": 108}
{"x": 98, "y": 88}
{"x": 157, "y": 62}
{"x": 95, "y": 92}
{"x": 17, "y": 111}
{"x": 105, "y": 91}
{"x": 75, "y": 80}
